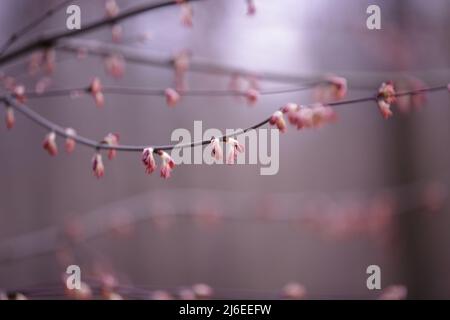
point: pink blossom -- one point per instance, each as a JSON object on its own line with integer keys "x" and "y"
{"x": 167, "y": 164}
{"x": 216, "y": 151}
{"x": 186, "y": 15}
{"x": 386, "y": 96}
{"x": 148, "y": 160}
{"x": 278, "y": 120}
{"x": 49, "y": 144}
{"x": 96, "y": 91}
{"x": 10, "y": 119}
{"x": 172, "y": 97}
{"x": 97, "y": 165}
{"x": 234, "y": 149}
{"x": 70, "y": 141}
{"x": 111, "y": 139}
{"x": 252, "y": 96}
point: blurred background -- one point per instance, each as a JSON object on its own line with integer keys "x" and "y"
{"x": 359, "y": 192}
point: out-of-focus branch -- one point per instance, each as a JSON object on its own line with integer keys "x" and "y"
{"x": 50, "y": 40}
{"x": 33, "y": 24}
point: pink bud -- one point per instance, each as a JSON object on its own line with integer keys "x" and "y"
{"x": 96, "y": 86}
{"x": 111, "y": 8}
{"x": 252, "y": 96}
{"x": 234, "y": 148}
{"x": 97, "y": 165}
{"x": 112, "y": 139}
{"x": 186, "y": 15}
{"x": 49, "y": 144}
{"x": 167, "y": 164}
{"x": 394, "y": 292}
{"x": 116, "y": 33}
{"x": 216, "y": 151}
{"x": 96, "y": 91}
{"x": 291, "y": 109}
{"x": 278, "y": 120}
{"x": 115, "y": 65}
{"x": 19, "y": 93}
{"x": 49, "y": 60}
{"x": 181, "y": 65}
{"x": 148, "y": 160}
{"x": 172, "y": 97}
{"x": 251, "y": 7}
{"x": 386, "y": 96}
{"x": 70, "y": 141}
{"x": 339, "y": 87}
{"x": 10, "y": 118}
{"x": 84, "y": 293}
{"x": 294, "y": 290}
{"x": 202, "y": 291}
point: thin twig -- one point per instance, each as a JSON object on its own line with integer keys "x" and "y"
{"x": 44, "y": 122}
{"x": 160, "y": 92}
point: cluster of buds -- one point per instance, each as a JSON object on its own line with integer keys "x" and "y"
{"x": 251, "y": 93}
{"x": 51, "y": 147}
{"x": 187, "y": 14}
{"x": 172, "y": 97}
{"x": 167, "y": 163}
{"x": 303, "y": 117}
{"x": 386, "y": 96}
{"x": 112, "y": 140}
{"x": 96, "y": 91}
{"x": 332, "y": 88}
{"x": 112, "y": 10}
{"x": 49, "y": 144}
{"x": 115, "y": 65}
{"x": 42, "y": 60}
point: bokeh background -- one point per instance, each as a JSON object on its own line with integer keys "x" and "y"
{"x": 244, "y": 234}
